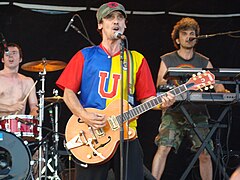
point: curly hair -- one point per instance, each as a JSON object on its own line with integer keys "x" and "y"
{"x": 184, "y": 24}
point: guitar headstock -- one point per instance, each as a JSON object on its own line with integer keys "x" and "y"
{"x": 201, "y": 80}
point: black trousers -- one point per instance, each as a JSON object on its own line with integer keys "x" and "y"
{"x": 100, "y": 172}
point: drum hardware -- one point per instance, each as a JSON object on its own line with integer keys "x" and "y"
{"x": 42, "y": 67}
{"x": 41, "y": 114}
{"x": 44, "y": 144}
{"x": 56, "y": 135}
{"x": 23, "y": 121}
{"x": 49, "y": 170}
{"x": 52, "y": 162}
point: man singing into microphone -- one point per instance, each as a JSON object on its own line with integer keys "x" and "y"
{"x": 174, "y": 125}
{"x": 96, "y": 72}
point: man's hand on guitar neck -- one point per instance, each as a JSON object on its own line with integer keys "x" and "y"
{"x": 93, "y": 119}
{"x": 167, "y": 100}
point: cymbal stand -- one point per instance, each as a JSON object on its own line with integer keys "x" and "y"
{"x": 41, "y": 117}
{"x": 56, "y": 137}
{"x": 53, "y": 149}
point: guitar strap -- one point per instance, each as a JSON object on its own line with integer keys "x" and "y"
{"x": 130, "y": 71}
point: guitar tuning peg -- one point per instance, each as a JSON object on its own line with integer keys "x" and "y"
{"x": 193, "y": 75}
{"x": 201, "y": 90}
{"x": 203, "y": 71}
{"x": 211, "y": 86}
{"x": 206, "y": 88}
{"x": 199, "y": 87}
{"x": 199, "y": 73}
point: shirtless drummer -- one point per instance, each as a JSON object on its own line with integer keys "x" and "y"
{"x": 15, "y": 88}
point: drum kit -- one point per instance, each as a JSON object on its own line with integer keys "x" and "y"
{"x": 16, "y": 131}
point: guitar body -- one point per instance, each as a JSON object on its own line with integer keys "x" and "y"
{"x": 105, "y": 143}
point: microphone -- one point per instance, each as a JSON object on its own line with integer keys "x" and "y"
{"x": 69, "y": 24}
{"x": 23, "y": 121}
{"x": 191, "y": 39}
{"x": 4, "y": 43}
{"x": 119, "y": 35}
{"x": 49, "y": 105}
{"x": 200, "y": 37}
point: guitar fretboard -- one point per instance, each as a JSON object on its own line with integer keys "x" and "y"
{"x": 138, "y": 110}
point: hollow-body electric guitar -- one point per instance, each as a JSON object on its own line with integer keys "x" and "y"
{"x": 95, "y": 146}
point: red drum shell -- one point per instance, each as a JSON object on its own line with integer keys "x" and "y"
{"x": 24, "y": 126}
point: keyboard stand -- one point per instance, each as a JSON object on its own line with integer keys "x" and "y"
{"x": 204, "y": 142}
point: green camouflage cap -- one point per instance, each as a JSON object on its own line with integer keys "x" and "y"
{"x": 109, "y": 7}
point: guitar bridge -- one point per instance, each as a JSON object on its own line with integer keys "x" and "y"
{"x": 113, "y": 123}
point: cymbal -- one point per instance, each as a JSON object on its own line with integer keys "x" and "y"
{"x": 38, "y": 66}
{"x": 54, "y": 99}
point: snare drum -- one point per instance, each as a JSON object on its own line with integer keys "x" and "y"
{"x": 24, "y": 126}
{"x": 14, "y": 156}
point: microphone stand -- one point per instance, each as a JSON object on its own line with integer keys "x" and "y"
{"x": 122, "y": 120}
{"x": 79, "y": 32}
{"x": 216, "y": 34}
{"x": 225, "y": 33}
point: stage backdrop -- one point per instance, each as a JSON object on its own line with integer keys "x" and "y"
{"x": 39, "y": 30}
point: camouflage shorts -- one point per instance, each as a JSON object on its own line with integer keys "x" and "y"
{"x": 175, "y": 127}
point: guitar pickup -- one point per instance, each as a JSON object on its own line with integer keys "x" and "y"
{"x": 100, "y": 132}
{"x": 113, "y": 122}
{"x": 92, "y": 133}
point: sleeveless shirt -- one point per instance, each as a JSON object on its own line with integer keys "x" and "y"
{"x": 198, "y": 60}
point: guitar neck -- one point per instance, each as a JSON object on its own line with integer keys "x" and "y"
{"x": 144, "y": 107}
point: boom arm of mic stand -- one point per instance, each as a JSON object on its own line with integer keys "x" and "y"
{"x": 217, "y": 34}
{"x": 79, "y": 32}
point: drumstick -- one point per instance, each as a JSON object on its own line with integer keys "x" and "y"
{"x": 28, "y": 93}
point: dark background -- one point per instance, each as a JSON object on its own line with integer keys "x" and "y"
{"x": 41, "y": 35}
